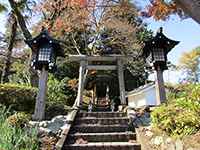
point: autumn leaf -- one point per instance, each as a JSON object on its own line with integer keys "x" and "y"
{"x": 59, "y": 23}
{"x": 160, "y": 9}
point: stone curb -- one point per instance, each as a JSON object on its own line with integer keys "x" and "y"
{"x": 70, "y": 119}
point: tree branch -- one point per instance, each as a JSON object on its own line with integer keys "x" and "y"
{"x": 21, "y": 20}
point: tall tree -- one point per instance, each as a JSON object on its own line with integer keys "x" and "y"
{"x": 190, "y": 64}
{"x": 86, "y": 25}
{"x": 15, "y": 6}
{"x": 76, "y": 21}
{"x": 98, "y": 27}
{"x": 12, "y": 36}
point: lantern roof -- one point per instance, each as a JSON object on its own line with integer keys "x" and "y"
{"x": 159, "y": 41}
{"x": 44, "y": 38}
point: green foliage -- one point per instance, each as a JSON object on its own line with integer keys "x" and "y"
{"x": 22, "y": 98}
{"x": 66, "y": 69}
{"x": 55, "y": 91}
{"x": 189, "y": 64}
{"x": 181, "y": 115}
{"x": 22, "y": 74}
{"x": 12, "y": 137}
{"x": 19, "y": 97}
{"x": 60, "y": 97}
{"x": 3, "y": 7}
{"x": 59, "y": 92}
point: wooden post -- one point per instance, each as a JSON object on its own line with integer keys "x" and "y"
{"x": 95, "y": 94}
{"x": 93, "y": 97}
{"x": 121, "y": 82}
{"x": 39, "y": 113}
{"x": 160, "y": 87}
{"x": 107, "y": 93}
{"x": 80, "y": 83}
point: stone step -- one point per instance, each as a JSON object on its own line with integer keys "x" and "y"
{"x": 102, "y": 108}
{"x": 102, "y": 121}
{"x": 102, "y": 137}
{"x": 104, "y": 146}
{"x": 99, "y": 128}
{"x": 101, "y": 114}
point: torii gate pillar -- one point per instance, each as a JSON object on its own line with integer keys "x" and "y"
{"x": 121, "y": 82}
{"x": 82, "y": 70}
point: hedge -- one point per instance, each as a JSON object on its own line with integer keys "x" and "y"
{"x": 20, "y": 98}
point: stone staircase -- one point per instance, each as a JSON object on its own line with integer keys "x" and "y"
{"x": 101, "y": 131}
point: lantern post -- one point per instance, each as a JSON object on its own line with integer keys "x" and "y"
{"x": 155, "y": 53}
{"x": 47, "y": 50}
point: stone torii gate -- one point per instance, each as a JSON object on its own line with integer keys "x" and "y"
{"x": 86, "y": 64}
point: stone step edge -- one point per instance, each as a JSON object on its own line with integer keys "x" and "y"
{"x": 109, "y": 118}
{"x": 100, "y": 134}
{"x": 98, "y": 125}
{"x": 100, "y": 144}
{"x": 101, "y": 112}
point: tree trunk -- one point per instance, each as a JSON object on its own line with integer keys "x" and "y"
{"x": 21, "y": 21}
{"x": 7, "y": 64}
{"x": 191, "y": 8}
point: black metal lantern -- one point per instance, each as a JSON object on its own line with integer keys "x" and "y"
{"x": 46, "y": 51}
{"x": 156, "y": 49}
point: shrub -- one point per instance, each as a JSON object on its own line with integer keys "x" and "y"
{"x": 59, "y": 97}
{"x": 59, "y": 92}
{"x": 19, "y": 119}
{"x": 53, "y": 110}
{"x": 180, "y": 116}
{"x": 12, "y": 137}
{"x": 21, "y": 98}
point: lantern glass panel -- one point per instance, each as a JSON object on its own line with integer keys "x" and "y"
{"x": 158, "y": 54}
{"x": 44, "y": 54}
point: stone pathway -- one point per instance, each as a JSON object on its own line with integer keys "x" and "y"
{"x": 101, "y": 131}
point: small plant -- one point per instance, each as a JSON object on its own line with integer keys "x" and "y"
{"x": 18, "y": 120}
{"x": 14, "y": 137}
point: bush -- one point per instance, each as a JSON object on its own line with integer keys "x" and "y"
{"x": 12, "y": 137}
{"x": 19, "y": 119}
{"x": 59, "y": 92}
{"x": 53, "y": 110}
{"x": 180, "y": 116}
{"x": 59, "y": 97}
{"x": 20, "y": 98}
